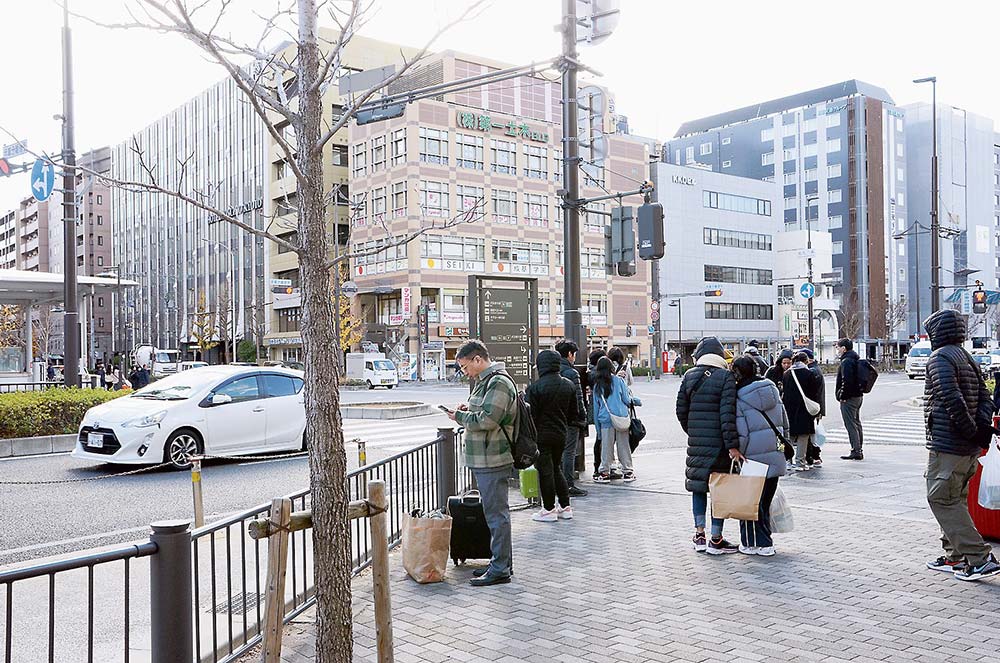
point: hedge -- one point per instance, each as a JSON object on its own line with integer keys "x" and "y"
{"x": 56, "y": 411}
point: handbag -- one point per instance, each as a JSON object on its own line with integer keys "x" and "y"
{"x": 812, "y": 407}
{"x": 636, "y": 431}
{"x": 735, "y": 496}
{"x": 617, "y": 422}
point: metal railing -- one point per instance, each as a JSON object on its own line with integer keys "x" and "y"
{"x": 7, "y": 387}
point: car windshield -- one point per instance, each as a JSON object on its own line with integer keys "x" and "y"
{"x": 166, "y": 357}
{"x": 180, "y": 386}
{"x": 177, "y": 392}
{"x": 983, "y": 359}
{"x": 383, "y": 365}
{"x": 920, "y": 352}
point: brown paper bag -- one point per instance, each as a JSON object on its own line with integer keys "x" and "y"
{"x": 735, "y": 496}
{"x": 426, "y": 542}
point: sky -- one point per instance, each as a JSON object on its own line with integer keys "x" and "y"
{"x": 667, "y": 62}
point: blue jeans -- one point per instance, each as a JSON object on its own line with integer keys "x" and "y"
{"x": 492, "y": 484}
{"x": 699, "y": 504}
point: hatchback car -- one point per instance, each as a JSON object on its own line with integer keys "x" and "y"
{"x": 215, "y": 410}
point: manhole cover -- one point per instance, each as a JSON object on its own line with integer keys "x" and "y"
{"x": 237, "y": 604}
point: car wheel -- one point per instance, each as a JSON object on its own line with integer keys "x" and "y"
{"x": 912, "y": 377}
{"x": 391, "y": 386}
{"x": 305, "y": 444}
{"x": 370, "y": 385}
{"x": 180, "y": 446}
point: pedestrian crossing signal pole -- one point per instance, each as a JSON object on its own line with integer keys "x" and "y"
{"x": 71, "y": 316}
{"x": 572, "y": 317}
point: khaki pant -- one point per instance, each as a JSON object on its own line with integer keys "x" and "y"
{"x": 948, "y": 478}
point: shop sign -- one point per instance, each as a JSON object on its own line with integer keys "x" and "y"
{"x": 449, "y": 331}
{"x": 239, "y": 210}
{"x": 396, "y": 319}
{"x": 511, "y": 128}
{"x": 434, "y": 345}
{"x": 407, "y": 302}
{"x": 453, "y": 316}
{"x": 288, "y": 340}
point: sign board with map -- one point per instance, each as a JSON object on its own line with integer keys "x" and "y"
{"x": 503, "y": 311}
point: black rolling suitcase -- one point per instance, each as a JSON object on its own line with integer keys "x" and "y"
{"x": 470, "y": 535}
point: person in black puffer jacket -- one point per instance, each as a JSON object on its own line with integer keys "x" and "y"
{"x": 706, "y": 408}
{"x": 554, "y": 410}
{"x": 567, "y": 349}
{"x": 957, "y": 416}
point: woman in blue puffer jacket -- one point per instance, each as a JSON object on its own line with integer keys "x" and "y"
{"x": 757, "y": 400}
{"x": 612, "y": 396}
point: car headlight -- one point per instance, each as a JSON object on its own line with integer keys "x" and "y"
{"x": 145, "y": 421}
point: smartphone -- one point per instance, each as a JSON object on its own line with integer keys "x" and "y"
{"x": 444, "y": 408}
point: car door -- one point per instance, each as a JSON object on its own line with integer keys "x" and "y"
{"x": 286, "y": 415}
{"x": 239, "y": 425}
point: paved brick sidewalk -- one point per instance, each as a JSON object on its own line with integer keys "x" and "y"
{"x": 621, "y": 582}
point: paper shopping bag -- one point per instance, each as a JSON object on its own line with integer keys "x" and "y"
{"x": 735, "y": 496}
{"x": 426, "y": 542}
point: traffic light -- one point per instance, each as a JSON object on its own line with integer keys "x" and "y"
{"x": 283, "y": 290}
{"x": 621, "y": 248}
{"x": 5, "y": 167}
{"x": 713, "y": 293}
{"x": 650, "y": 224}
{"x": 979, "y": 302}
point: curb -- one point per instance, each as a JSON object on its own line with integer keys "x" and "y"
{"x": 33, "y": 446}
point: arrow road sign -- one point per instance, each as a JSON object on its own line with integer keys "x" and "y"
{"x": 43, "y": 179}
{"x": 807, "y": 290}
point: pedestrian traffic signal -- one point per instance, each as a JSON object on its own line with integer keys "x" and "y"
{"x": 283, "y": 290}
{"x": 5, "y": 167}
{"x": 713, "y": 293}
{"x": 979, "y": 302}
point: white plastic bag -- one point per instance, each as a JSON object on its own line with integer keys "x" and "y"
{"x": 819, "y": 438}
{"x": 989, "y": 481}
{"x": 753, "y": 468}
{"x": 781, "y": 514}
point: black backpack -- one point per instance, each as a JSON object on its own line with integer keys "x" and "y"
{"x": 524, "y": 446}
{"x": 867, "y": 375}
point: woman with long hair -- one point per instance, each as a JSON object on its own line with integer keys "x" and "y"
{"x": 612, "y": 397}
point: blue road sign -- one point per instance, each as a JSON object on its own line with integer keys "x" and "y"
{"x": 652, "y": 330}
{"x": 807, "y": 290}
{"x": 43, "y": 179}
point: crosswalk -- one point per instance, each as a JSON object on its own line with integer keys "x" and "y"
{"x": 900, "y": 428}
{"x": 394, "y": 435}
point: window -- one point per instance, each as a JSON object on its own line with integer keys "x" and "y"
{"x": 241, "y": 390}
{"x": 899, "y": 124}
{"x": 594, "y": 305}
{"x": 557, "y": 165}
{"x": 899, "y": 174}
{"x": 809, "y": 150}
{"x": 704, "y": 149}
{"x": 899, "y": 150}
{"x": 100, "y": 199}
{"x": 100, "y": 261}
{"x": 339, "y": 155}
{"x": 100, "y": 220}
{"x": 742, "y": 275}
{"x": 833, "y": 196}
{"x": 378, "y": 259}
{"x": 359, "y": 210}
{"x": 100, "y": 301}
{"x": 714, "y": 311}
{"x": 378, "y": 205}
{"x": 537, "y": 210}
{"x": 767, "y": 159}
{"x": 292, "y": 238}
{"x": 434, "y": 198}
{"x": 766, "y": 135}
{"x": 100, "y": 240}
{"x": 838, "y": 248}
{"x": 791, "y": 203}
{"x": 734, "y": 203}
{"x": 454, "y": 302}
{"x": 833, "y": 170}
{"x": 901, "y": 250}
{"x": 100, "y": 322}
{"x": 789, "y": 128}
{"x": 288, "y": 319}
{"x": 398, "y": 147}
{"x": 503, "y": 155}
{"x": 791, "y": 178}
{"x": 434, "y": 146}
{"x": 398, "y": 199}
{"x": 833, "y": 120}
{"x": 727, "y": 164}
{"x": 536, "y": 162}
{"x": 809, "y": 125}
{"x": 378, "y": 153}
{"x": 592, "y": 265}
{"x": 360, "y": 167}
{"x": 455, "y": 252}
{"x": 727, "y": 140}
{"x": 504, "y": 206}
{"x": 470, "y": 151}
{"x": 534, "y": 255}
{"x": 836, "y": 221}
{"x": 902, "y": 274}
{"x": 280, "y": 385}
{"x": 788, "y": 154}
{"x": 900, "y": 199}
{"x": 810, "y": 175}
{"x": 737, "y": 239}
{"x": 833, "y": 145}
{"x": 689, "y": 154}
{"x": 786, "y": 294}
{"x": 469, "y": 197}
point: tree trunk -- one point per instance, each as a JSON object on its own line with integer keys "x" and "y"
{"x": 327, "y": 459}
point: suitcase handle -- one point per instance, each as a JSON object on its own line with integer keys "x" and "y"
{"x": 471, "y": 497}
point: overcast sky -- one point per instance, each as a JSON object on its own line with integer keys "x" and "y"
{"x": 668, "y": 61}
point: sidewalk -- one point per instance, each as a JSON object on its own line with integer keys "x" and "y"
{"x": 621, "y": 582}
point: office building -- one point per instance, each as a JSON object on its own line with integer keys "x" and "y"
{"x": 967, "y": 202}
{"x": 835, "y": 156}
{"x": 791, "y": 270}
{"x": 9, "y": 239}
{"x": 996, "y": 207}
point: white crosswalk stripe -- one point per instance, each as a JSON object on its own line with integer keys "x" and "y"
{"x": 901, "y": 428}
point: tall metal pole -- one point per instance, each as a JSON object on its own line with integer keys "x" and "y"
{"x": 655, "y": 365}
{"x": 71, "y": 318}
{"x": 572, "y": 316}
{"x": 916, "y": 274}
{"x": 935, "y": 226}
{"x": 809, "y": 259}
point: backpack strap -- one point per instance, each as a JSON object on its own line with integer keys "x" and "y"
{"x": 707, "y": 374}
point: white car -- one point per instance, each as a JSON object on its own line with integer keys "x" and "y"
{"x": 215, "y": 410}
{"x": 188, "y": 365}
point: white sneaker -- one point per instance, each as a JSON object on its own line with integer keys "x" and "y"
{"x": 749, "y": 550}
{"x": 565, "y": 514}
{"x": 544, "y": 516}
{"x": 766, "y": 551}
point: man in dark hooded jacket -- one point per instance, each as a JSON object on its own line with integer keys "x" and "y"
{"x": 567, "y": 350}
{"x": 850, "y": 395}
{"x": 706, "y": 408}
{"x": 957, "y": 416}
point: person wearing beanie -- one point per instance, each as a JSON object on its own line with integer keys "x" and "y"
{"x": 706, "y": 409}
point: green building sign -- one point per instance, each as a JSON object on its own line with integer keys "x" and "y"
{"x": 512, "y": 128}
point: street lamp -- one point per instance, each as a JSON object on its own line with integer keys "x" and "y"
{"x": 809, "y": 258}
{"x": 935, "y": 255}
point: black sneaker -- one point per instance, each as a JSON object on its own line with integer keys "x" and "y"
{"x": 615, "y": 474}
{"x": 942, "y": 563}
{"x": 577, "y": 492}
{"x": 971, "y": 573}
{"x": 721, "y": 547}
{"x": 628, "y": 477}
{"x": 603, "y": 477}
{"x": 700, "y": 544}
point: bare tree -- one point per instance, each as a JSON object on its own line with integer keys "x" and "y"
{"x": 42, "y": 331}
{"x": 896, "y": 314}
{"x": 851, "y": 319}
{"x": 286, "y": 87}
{"x": 203, "y": 328}
{"x": 224, "y": 315}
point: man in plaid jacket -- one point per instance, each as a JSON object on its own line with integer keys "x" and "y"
{"x": 491, "y": 405}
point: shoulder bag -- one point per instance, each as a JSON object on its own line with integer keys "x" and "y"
{"x": 617, "y": 422}
{"x": 812, "y": 407}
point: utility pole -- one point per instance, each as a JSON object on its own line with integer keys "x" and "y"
{"x": 572, "y": 316}
{"x": 656, "y": 363}
{"x": 71, "y": 317}
{"x": 809, "y": 261}
{"x": 935, "y": 226}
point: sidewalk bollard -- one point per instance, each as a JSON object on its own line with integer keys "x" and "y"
{"x": 199, "y": 504}
{"x": 447, "y": 467}
{"x": 362, "y": 455}
{"x": 170, "y": 597}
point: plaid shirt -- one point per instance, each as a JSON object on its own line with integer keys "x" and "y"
{"x": 490, "y": 406}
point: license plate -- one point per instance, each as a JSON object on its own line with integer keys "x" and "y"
{"x": 95, "y": 440}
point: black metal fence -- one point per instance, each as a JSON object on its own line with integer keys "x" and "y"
{"x": 91, "y": 382}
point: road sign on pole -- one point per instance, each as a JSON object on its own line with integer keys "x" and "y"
{"x": 504, "y": 319}
{"x": 807, "y": 290}
{"x": 43, "y": 179}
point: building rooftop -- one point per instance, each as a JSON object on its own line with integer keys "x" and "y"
{"x": 765, "y": 108}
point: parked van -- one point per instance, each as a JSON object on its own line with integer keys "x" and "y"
{"x": 373, "y": 368}
{"x": 916, "y": 360}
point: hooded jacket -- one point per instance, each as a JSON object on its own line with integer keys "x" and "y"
{"x": 568, "y": 371}
{"x": 706, "y": 409}
{"x": 553, "y": 401}
{"x": 757, "y": 439}
{"x": 776, "y": 372}
{"x": 754, "y": 353}
{"x": 848, "y": 381}
{"x": 957, "y": 401}
{"x": 799, "y": 420}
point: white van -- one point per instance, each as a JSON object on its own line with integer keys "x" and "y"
{"x": 916, "y": 360}
{"x": 373, "y": 368}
